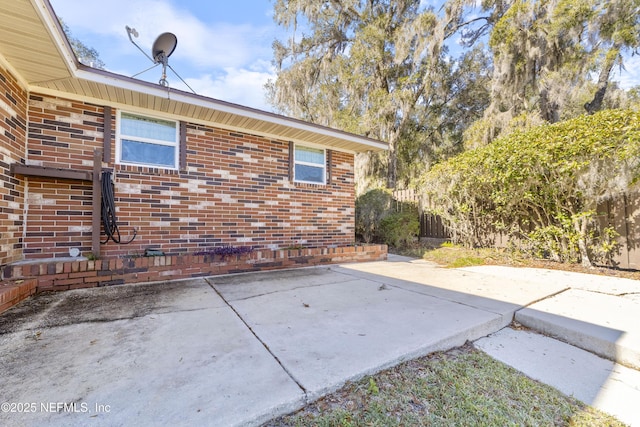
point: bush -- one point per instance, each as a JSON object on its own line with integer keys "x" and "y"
{"x": 400, "y": 229}
{"x": 541, "y": 186}
{"x": 371, "y": 208}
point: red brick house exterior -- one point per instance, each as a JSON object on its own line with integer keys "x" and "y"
{"x": 231, "y": 176}
{"x": 234, "y": 189}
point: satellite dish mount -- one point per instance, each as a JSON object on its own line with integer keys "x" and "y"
{"x": 161, "y": 50}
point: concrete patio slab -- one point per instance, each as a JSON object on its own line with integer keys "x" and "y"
{"x": 248, "y": 285}
{"x": 618, "y": 286}
{"x": 108, "y": 304}
{"x": 327, "y": 334}
{"x": 500, "y": 295}
{"x": 613, "y": 388}
{"x": 242, "y": 349}
{"x": 185, "y": 360}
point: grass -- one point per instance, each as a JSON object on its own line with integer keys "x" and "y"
{"x": 454, "y": 256}
{"x": 457, "y": 256}
{"x": 461, "y": 387}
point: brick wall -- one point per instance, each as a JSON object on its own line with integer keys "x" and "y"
{"x": 234, "y": 190}
{"x": 65, "y": 275}
{"x": 13, "y": 107}
{"x": 62, "y": 134}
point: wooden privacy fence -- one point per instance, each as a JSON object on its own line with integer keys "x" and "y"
{"x": 431, "y": 225}
{"x": 621, "y": 213}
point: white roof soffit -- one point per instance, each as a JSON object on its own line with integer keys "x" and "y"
{"x": 127, "y": 83}
{"x": 278, "y": 126}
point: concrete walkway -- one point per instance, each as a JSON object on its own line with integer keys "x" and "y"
{"x": 240, "y": 350}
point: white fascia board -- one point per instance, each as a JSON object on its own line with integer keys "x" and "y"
{"x": 205, "y": 102}
{"x": 48, "y": 17}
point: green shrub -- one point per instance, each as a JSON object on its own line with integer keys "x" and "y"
{"x": 541, "y": 186}
{"x": 400, "y": 229}
{"x": 371, "y": 208}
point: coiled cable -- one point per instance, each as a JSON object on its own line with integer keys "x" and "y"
{"x": 109, "y": 219}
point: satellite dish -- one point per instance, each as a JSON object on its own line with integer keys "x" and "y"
{"x": 161, "y": 50}
{"x": 163, "y": 47}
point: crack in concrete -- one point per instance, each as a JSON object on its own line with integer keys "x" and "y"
{"x": 264, "y": 344}
{"x": 285, "y": 290}
{"x": 546, "y": 297}
{"x": 624, "y": 294}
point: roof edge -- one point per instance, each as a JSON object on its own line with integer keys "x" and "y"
{"x": 84, "y": 72}
{"x": 123, "y": 82}
{"x": 52, "y": 23}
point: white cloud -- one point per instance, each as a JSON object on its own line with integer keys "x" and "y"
{"x": 629, "y": 77}
{"x": 230, "y": 62}
{"x": 202, "y": 44}
{"x": 237, "y": 85}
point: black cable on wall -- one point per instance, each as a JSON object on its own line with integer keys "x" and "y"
{"x": 109, "y": 219}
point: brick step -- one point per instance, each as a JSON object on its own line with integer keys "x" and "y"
{"x": 14, "y": 291}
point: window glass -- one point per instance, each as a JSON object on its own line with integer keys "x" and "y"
{"x": 309, "y": 155}
{"x": 147, "y": 141}
{"x": 309, "y": 173}
{"x": 146, "y": 153}
{"x": 309, "y": 164}
{"x": 146, "y": 127}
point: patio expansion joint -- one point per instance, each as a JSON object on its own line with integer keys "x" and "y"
{"x": 264, "y": 344}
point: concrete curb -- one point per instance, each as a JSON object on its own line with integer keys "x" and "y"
{"x": 598, "y": 323}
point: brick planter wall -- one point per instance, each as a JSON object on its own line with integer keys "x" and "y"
{"x": 64, "y": 275}
{"x": 14, "y": 291}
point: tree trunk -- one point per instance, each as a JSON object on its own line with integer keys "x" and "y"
{"x": 392, "y": 164}
{"x": 581, "y": 226}
{"x": 595, "y": 104}
{"x": 548, "y": 110}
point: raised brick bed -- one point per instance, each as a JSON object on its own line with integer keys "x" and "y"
{"x": 64, "y": 275}
{"x": 14, "y": 291}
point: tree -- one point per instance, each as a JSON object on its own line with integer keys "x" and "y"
{"x": 545, "y": 52}
{"x": 85, "y": 54}
{"x": 376, "y": 68}
{"x": 618, "y": 27}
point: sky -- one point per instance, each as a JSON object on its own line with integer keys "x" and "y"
{"x": 223, "y": 51}
{"x": 224, "y": 46}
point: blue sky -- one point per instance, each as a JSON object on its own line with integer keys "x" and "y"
{"x": 224, "y": 46}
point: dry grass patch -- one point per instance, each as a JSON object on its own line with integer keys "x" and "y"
{"x": 461, "y": 387}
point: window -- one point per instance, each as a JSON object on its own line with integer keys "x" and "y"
{"x": 309, "y": 165}
{"x": 147, "y": 141}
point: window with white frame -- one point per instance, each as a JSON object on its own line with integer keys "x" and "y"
{"x": 147, "y": 141}
{"x": 309, "y": 164}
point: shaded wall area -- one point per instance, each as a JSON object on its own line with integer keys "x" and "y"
{"x": 13, "y": 126}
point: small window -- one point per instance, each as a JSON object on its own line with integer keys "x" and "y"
{"x": 147, "y": 141}
{"x": 309, "y": 165}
